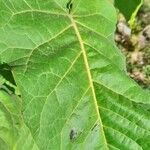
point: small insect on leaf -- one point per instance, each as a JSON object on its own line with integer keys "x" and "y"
{"x": 69, "y": 6}
{"x": 73, "y": 134}
{"x": 94, "y": 127}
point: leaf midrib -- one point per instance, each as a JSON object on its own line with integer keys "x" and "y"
{"x": 77, "y": 32}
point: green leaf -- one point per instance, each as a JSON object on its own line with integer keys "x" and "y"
{"x": 129, "y": 8}
{"x": 10, "y": 112}
{"x": 71, "y": 76}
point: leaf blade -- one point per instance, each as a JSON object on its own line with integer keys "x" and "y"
{"x": 57, "y": 63}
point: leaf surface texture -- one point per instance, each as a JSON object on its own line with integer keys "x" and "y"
{"x": 72, "y": 79}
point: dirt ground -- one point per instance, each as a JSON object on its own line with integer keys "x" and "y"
{"x": 135, "y": 44}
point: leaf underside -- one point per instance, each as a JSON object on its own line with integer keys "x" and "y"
{"x": 75, "y": 94}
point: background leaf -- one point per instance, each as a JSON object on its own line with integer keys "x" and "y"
{"x": 129, "y": 9}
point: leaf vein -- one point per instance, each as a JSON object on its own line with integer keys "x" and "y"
{"x": 52, "y": 38}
